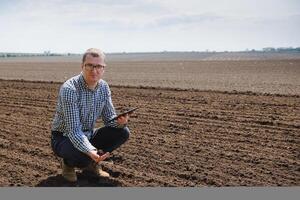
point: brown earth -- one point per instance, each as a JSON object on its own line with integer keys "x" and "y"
{"x": 179, "y": 138}
{"x": 263, "y": 76}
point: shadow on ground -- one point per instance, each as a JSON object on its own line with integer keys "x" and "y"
{"x": 84, "y": 180}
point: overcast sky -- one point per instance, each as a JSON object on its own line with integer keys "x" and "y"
{"x": 147, "y": 25}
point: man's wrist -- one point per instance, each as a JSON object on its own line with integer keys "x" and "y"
{"x": 121, "y": 125}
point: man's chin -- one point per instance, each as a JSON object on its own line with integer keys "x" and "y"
{"x": 95, "y": 79}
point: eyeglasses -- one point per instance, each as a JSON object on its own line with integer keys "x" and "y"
{"x": 91, "y": 67}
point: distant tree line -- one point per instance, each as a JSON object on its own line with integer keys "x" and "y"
{"x": 281, "y": 49}
{"x": 46, "y": 53}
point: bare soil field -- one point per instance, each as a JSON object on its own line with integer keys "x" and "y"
{"x": 264, "y": 76}
{"x": 179, "y": 137}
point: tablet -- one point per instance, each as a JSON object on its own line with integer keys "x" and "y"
{"x": 124, "y": 113}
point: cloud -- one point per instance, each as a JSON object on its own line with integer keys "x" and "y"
{"x": 186, "y": 19}
{"x": 134, "y": 25}
{"x": 123, "y": 14}
{"x": 112, "y": 13}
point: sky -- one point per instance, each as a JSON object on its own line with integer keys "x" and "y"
{"x": 72, "y": 26}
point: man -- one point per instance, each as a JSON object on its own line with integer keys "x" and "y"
{"x": 81, "y": 101}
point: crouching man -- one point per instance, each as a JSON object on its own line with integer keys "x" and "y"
{"x": 82, "y": 100}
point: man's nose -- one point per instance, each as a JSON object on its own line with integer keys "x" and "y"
{"x": 94, "y": 69}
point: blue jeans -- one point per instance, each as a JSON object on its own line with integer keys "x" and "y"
{"x": 106, "y": 138}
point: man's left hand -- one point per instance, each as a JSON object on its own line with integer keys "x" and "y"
{"x": 123, "y": 120}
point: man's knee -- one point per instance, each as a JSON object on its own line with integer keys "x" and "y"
{"x": 125, "y": 133}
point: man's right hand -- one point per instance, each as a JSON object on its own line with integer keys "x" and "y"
{"x": 97, "y": 158}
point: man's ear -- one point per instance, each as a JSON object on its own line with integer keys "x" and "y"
{"x": 82, "y": 66}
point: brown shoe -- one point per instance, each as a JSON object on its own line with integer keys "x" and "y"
{"x": 68, "y": 172}
{"x": 96, "y": 170}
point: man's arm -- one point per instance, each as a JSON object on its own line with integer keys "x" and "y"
{"x": 108, "y": 111}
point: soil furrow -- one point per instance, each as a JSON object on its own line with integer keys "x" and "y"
{"x": 179, "y": 138}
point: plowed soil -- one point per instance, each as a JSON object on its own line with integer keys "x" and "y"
{"x": 262, "y": 76}
{"x": 179, "y": 138}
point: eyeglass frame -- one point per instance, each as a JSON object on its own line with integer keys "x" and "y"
{"x": 91, "y": 67}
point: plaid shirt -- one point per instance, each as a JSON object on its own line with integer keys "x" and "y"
{"x": 79, "y": 107}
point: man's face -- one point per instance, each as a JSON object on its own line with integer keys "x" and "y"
{"x": 91, "y": 71}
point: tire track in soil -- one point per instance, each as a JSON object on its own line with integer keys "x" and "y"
{"x": 179, "y": 138}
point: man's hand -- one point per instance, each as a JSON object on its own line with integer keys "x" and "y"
{"x": 97, "y": 158}
{"x": 122, "y": 120}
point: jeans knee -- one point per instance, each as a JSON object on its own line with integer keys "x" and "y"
{"x": 126, "y": 133}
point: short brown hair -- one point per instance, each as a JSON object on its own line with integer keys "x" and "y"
{"x": 94, "y": 53}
